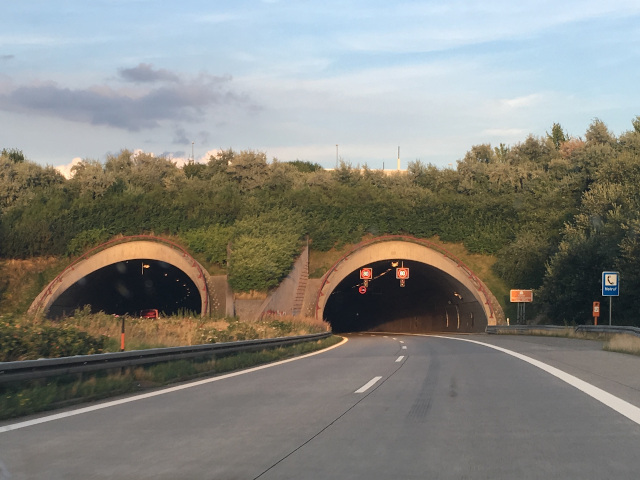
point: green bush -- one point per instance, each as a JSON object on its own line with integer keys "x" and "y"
{"x": 261, "y": 263}
{"x": 30, "y": 342}
{"x": 86, "y": 240}
{"x": 264, "y": 248}
{"x": 211, "y": 241}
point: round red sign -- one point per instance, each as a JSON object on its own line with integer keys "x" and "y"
{"x": 362, "y": 289}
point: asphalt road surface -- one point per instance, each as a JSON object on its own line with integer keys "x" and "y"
{"x": 375, "y": 407}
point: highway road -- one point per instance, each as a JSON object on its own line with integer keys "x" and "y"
{"x": 375, "y": 407}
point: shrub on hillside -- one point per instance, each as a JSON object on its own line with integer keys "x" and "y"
{"x": 30, "y": 342}
{"x": 211, "y": 241}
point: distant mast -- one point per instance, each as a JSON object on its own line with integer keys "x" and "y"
{"x": 398, "y": 157}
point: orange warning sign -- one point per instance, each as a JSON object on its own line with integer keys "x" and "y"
{"x": 521, "y": 296}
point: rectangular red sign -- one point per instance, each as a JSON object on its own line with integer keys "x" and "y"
{"x": 521, "y": 296}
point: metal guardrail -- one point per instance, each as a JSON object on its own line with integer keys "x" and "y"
{"x": 497, "y": 329}
{"x": 49, "y": 367}
{"x": 609, "y": 329}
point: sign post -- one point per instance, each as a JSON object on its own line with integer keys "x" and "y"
{"x": 610, "y": 287}
{"x": 521, "y": 297}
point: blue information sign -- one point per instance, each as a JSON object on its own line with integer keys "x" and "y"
{"x": 610, "y": 284}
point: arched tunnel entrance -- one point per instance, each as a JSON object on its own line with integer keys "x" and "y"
{"x": 128, "y": 275}
{"x": 130, "y": 286}
{"x": 439, "y": 295}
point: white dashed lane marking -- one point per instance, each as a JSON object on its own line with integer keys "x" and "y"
{"x": 368, "y": 385}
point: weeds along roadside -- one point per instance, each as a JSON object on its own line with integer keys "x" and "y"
{"x": 24, "y": 398}
{"x": 612, "y": 342}
{"x": 84, "y": 333}
{"x": 181, "y": 330}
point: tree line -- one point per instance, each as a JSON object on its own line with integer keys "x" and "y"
{"x": 555, "y": 211}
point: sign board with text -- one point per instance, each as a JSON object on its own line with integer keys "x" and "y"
{"x": 521, "y": 296}
{"x": 610, "y": 284}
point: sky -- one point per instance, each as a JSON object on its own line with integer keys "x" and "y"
{"x": 320, "y": 81}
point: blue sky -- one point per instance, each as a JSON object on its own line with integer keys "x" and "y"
{"x": 294, "y": 79}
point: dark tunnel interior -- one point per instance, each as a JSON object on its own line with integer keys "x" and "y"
{"x": 129, "y": 287}
{"x": 430, "y": 301}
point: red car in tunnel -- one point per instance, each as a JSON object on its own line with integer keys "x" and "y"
{"x": 149, "y": 313}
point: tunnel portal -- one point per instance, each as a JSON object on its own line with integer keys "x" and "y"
{"x": 127, "y": 275}
{"x": 130, "y": 286}
{"x": 428, "y": 302}
{"x": 439, "y": 295}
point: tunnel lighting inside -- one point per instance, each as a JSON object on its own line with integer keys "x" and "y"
{"x": 430, "y": 301}
{"x": 129, "y": 287}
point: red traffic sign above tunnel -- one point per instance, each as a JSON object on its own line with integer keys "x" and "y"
{"x": 402, "y": 273}
{"x": 366, "y": 273}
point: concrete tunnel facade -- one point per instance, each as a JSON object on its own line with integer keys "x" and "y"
{"x": 157, "y": 250}
{"x": 440, "y": 295}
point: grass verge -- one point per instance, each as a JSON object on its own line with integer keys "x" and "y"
{"x": 611, "y": 342}
{"x": 24, "y": 398}
{"x": 623, "y": 344}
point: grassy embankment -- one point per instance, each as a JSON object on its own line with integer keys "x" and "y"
{"x": 612, "y": 342}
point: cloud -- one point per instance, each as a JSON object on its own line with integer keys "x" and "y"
{"x": 438, "y": 26}
{"x": 524, "y": 101}
{"x": 5, "y": 58}
{"x": 65, "y": 170}
{"x": 144, "y": 73}
{"x": 180, "y": 137}
{"x": 188, "y": 100}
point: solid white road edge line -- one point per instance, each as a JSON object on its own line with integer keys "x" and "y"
{"x": 368, "y": 385}
{"x": 621, "y": 406}
{"x": 93, "y": 408}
